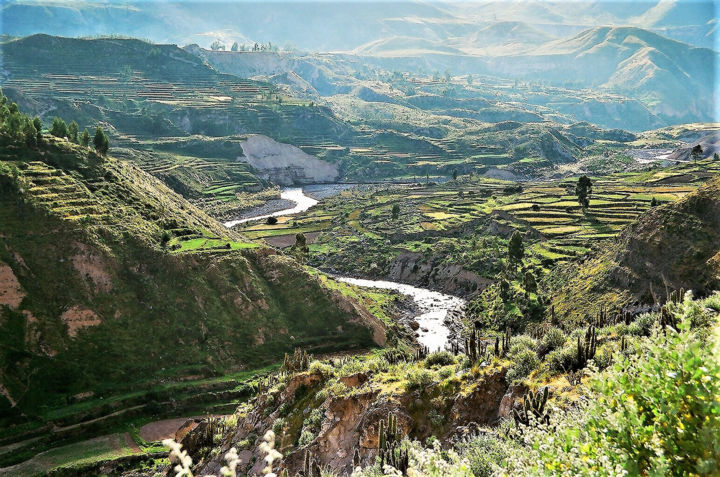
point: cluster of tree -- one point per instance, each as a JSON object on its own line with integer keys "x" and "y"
{"x": 62, "y": 130}
{"x": 18, "y": 125}
{"x": 217, "y": 45}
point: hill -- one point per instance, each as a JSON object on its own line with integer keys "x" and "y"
{"x": 111, "y": 282}
{"x": 673, "y": 78}
{"x": 670, "y": 247}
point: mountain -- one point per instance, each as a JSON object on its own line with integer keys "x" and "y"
{"x": 670, "y": 247}
{"x": 675, "y": 80}
{"x": 333, "y": 26}
{"x": 110, "y": 282}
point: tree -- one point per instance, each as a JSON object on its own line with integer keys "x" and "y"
{"x": 14, "y": 124}
{"x": 59, "y": 128}
{"x": 30, "y": 134}
{"x": 454, "y": 173}
{"x": 516, "y": 249}
{"x": 583, "y": 189}
{"x": 101, "y": 142}
{"x": 85, "y": 138}
{"x": 529, "y": 282}
{"x": 716, "y": 157}
{"x": 235, "y": 47}
{"x": 395, "y": 211}
{"x": 72, "y": 132}
{"x": 271, "y": 220}
{"x": 653, "y": 202}
{"x": 696, "y": 152}
{"x": 216, "y": 45}
{"x": 300, "y": 249}
{"x": 38, "y": 124}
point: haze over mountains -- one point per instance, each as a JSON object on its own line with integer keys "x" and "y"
{"x": 659, "y": 53}
{"x": 344, "y": 26}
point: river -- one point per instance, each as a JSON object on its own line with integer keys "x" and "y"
{"x": 294, "y": 194}
{"x": 433, "y": 307}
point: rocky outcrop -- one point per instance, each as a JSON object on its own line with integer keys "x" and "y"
{"x": 410, "y": 267}
{"x": 285, "y": 164}
{"x": 351, "y": 420}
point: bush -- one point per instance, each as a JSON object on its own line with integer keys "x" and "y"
{"x": 671, "y": 424}
{"x": 553, "y": 339}
{"x": 603, "y": 357}
{"x": 483, "y": 452}
{"x": 321, "y": 369}
{"x": 563, "y": 359}
{"x": 420, "y": 378}
{"x": 525, "y": 362}
{"x": 642, "y": 326}
{"x": 278, "y": 426}
{"x": 441, "y": 358}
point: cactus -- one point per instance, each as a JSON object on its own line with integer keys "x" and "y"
{"x": 586, "y": 348}
{"x": 421, "y": 353}
{"x": 388, "y": 441}
{"x": 298, "y": 362}
{"x": 533, "y": 404}
{"x": 667, "y": 318}
{"x": 623, "y": 344}
{"x": 676, "y": 296}
{"x": 505, "y": 342}
{"x": 381, "y": 435}
{"x": 306, "y": 464}
{"x": 311, "y": 468}
{"x": 497, "y": 346}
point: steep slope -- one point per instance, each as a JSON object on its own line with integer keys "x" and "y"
{"x": 670, "y": 247}
{"x": 673, "y": 78}
{"x": 91, "y": 301}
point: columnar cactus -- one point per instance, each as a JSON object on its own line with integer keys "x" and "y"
{"x": 586, "y": 348}
{"x": 533, "y": 404}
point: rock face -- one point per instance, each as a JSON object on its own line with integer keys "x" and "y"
{"x": 285, "y": 164}
{"x": 411, "y": 267}
{"x": 351, "y": 421}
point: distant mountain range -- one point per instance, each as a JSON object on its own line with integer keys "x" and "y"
{"x": 657, "y": 53}
{"x": 345, "y": 25}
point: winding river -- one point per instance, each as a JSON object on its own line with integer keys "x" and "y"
{"x": 294, "y": 194}
{"x": 433, "y": 307}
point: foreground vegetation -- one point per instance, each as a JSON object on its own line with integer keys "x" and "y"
{"x": 647, "y": 403}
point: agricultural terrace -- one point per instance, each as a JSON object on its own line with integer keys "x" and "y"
{"x": 469, "y": 220}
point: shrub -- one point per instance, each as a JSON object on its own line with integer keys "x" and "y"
{"x": 642, "y": 326}
{"x": 278, "y": 425}
{"x": 441, "y": 358}
{"x": 321, "y": 369}
{"x": 420, "y": 378}
{"x": 306, "y": 437}
{"x": 713, "y": 302}
{"x": 525, "y": 362}
{"x": 445, "y": 373}
{"x": 670, "y": 422}
{"x": 603, "y": 357}
{"x": 483, "y": 453}
{"x": 553, "y": 339}
{"x": 520, "y": 345}
{"x": 563, "y": 359}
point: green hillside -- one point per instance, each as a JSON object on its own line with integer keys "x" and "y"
{"x": 670, "y": 247}
{"x": 114, "y": 283}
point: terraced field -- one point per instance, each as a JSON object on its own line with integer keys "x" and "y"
{"x": 471, "y": 218}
